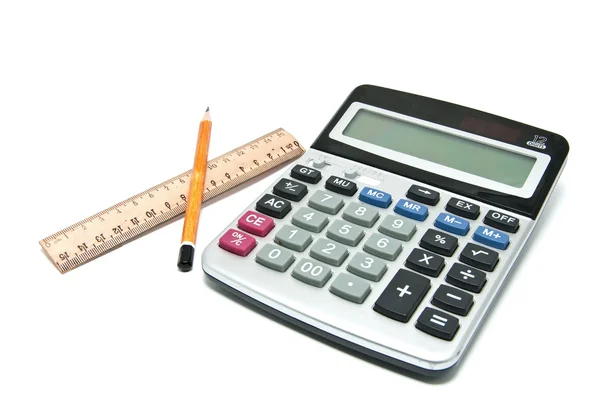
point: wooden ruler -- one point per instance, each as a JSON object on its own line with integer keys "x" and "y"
{"x": 118, "y": 224}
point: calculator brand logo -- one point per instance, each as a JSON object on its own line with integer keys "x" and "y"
{"x": 539, "y": 141}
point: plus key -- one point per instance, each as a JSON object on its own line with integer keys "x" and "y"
{"x": 402, "y": 295}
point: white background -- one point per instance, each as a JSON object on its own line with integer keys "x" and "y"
{"x": 101, "y": 100}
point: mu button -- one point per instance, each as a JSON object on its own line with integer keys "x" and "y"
{"x": 341, "y": 186}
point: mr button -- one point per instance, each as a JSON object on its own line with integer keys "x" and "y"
{"x": 501, "y": 221}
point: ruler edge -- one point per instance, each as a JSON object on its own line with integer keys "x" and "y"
{"x": 247, "y": 177}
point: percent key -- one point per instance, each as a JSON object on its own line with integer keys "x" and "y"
{"x": 439, "y": 242}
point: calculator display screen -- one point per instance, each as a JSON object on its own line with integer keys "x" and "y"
{"x": 446, "y": 149}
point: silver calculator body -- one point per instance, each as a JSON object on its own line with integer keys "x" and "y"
{"x": 396, "y": 229}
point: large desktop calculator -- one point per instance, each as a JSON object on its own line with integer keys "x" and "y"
{"x": 396, "y": 229}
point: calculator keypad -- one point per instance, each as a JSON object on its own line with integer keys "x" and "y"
{"x": 354, "y": 242}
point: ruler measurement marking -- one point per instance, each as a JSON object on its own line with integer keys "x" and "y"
{"x": 154, "y": 206}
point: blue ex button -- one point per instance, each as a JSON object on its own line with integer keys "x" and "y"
{"x": 453, "y": 224}
{"x": 411, "y": 210}
{"x": 375, "y": 197}
{"x": 491, "y": 237}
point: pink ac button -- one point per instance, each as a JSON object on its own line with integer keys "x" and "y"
{"x": 256, "y": 223}
{"x": 237, "y": 242}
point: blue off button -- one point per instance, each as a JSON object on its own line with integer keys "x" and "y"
{"x": 375, "y": 197}
{"x": 411, "y": 210}
{"x": 453, "y": 224}
{"x": 491, "y": 237}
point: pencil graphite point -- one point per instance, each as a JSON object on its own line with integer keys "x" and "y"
{"x": 207, "y": 109}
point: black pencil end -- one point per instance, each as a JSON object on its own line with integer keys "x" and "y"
{"x": 186, "y": 258}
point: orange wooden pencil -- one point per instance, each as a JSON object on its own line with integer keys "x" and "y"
{"x": 194, "y": 198}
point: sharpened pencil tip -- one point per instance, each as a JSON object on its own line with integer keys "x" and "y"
{"x": 207, "y": 109}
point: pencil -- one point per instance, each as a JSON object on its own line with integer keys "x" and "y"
{"x": 194, "y": 198}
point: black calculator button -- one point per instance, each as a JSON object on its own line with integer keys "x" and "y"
{"x": 439, "y": 242}
{"x": 479, "y": 257}
{"x": 423, "y": 195}
{"x": 466, "y": 277}
{"x": 438, "y": 324}
{"x": 501, "y": 221}
{"x": 289, "y": 189}
{"x": 341, "y": 186}
{"x": 273, "y": 206}
{"x": 305, "y": 174}
{"x": 425, "y": 262}
{"x": 463, "y": 208}
{"x": 402, "y": 295}
{"x": 453, "y": 300}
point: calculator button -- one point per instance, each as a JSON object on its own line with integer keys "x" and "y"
{"x": 273, "y": 206}
{"x": 351, "y": 173}
{"x": 375, "y": 197}
{"x": 345, "y": 233}
{"x": 439, "y": 242}
{"x": 466, "y": 277}
{"x": 453, "y": 224}
{"x": 383, "y": 246}
{"x": 397, "y": 227}
{"x": 371, "y": 268}
{"x": 310, "y": 219}
{"x": 325, "y": 202}
{"x": 424, "y": 262}
{"x": 463, "y": 208}
{"x": 411, "y": 210}
{"x": 452, "y": 300}
{"x": 237, "y": 242}
{"x": 312, "y": 272}
{"x": 305, "y": 174}
{"x": 293, "y": 238}
{"x": 351, "y": 288}
{"x": 274, "y": 257}
{"x": 319, "y": 163}
{"x": 329, "y": 252}
{"x": 290, "y": 189}
{"x": 255, "y": 223}
{"x": 341, "y": 186}
{"x": 423, "y": 195}
{"x": 479, "y": 257}
{"x": 402, "y": 295}
{"x": 491, "y": 237}
{"x": 438, "y": 324}
{"x": 360, "y": 214}
{"x": 501, "y": 221}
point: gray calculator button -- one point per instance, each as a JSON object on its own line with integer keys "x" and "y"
{"x": 398, "y": 227}
{"x": 312, "y": 272}
{"x": 368, "y": 267}
{"x": 310, "y": 219}
{"x": 361, "y": 214}
{"x": 274, "y": 257}
{"x": 326, "y": 202}
{"x": 329, "y": 252}
{"x": 293, "y": 238}
{"x": 345, "y": 233}
{"x": 383, "y": 246}
{"x": 350, "y": 288}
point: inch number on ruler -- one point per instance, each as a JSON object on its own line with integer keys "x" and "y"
{"x": 118, "y": 224}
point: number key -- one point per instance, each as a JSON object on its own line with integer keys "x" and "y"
{"x": 398, "y": 227}
{"x": 293, "y": 238}
{"x": 371, "y": 268}
{"x": 345, "y": 233}
{"x": 325, "y": 202}
{"x": 274, "y": 257}
{"x": 312, "y": 272}
{"x": 383, "y": 246}
{"x": 361, "y": 214}
{"x": 310, "y": 220}
{"x": 329, "y": 252}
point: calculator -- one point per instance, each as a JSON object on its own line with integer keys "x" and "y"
{"x": 394, "y": 232}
